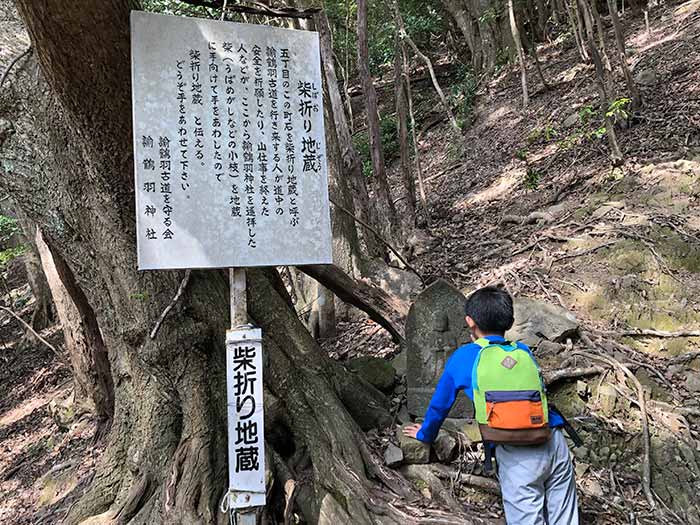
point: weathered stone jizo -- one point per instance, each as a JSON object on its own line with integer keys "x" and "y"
{"x": 435, "y": 328}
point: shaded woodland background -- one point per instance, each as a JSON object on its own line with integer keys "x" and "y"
{"x": 551, "y": 147}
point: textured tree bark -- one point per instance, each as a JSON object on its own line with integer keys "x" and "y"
{"x": 88, "y": 355}
{"x": 601, "y": 34}
{"x": 386, "y": 204}
{"x": 347, "y": 253}
{"x": 571, "y": 11}
{"x": 463, "y": 19}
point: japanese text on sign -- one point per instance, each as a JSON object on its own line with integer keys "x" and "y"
{"x": 246, "y": 446}
{"x": 229, "y": 144}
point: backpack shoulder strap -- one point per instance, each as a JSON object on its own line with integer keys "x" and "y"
{"x": 483, "y": 343}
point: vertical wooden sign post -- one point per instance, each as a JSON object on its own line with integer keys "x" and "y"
{"x": 230, "y": 172}
{"x": 246, "y": 446}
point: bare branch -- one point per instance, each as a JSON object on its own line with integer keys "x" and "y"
{"x": 12, "y": 64}
{"x": 51, "y": 347}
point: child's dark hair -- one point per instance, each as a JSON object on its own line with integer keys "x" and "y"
{"x": 492, "y": 310}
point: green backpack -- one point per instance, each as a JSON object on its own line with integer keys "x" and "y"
{"x": 510, "y": 400}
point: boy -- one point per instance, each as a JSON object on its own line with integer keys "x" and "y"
{"x": 537, "y": 480}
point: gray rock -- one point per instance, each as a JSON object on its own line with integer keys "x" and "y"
{"x": 420, "y": 242}
{"x": 400, "y": 364}
{"x": 646, "y": 77}
{"x": 403, "y": 416}
{"x": 414, "y": 451}
{"x": 376, "y": 371}
{"x": 393, "y": 456}
{"x": 571, "y": 120}
{"x": 536, "y": 321}
{"x": 607, "y": 397}
{"x": 445, "y": 446}
{"x": 692, "y": 381}
{"x": 400, "y": 283}
{"x": 435, "y": 328}
{"x": 580, "y": 453}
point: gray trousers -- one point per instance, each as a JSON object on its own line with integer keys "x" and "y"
{"x": 538, "y": 484}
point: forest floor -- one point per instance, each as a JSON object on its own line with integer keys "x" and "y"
{"x": 620, "y": 248}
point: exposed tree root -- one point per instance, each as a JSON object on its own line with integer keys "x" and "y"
{"x": 644, "y": 419}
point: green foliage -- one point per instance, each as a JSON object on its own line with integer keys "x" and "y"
{"x": 8, "y": 228}
{"x": 175, "y": 7}
{"x": 545, "y": 132}
{"x": 462, "y": 95}
{"x": 599, "y": 133}
{"x": 618, "y": 109}
{"x": 592, "y": 128}
{"x": 10, "y": 253}
{"x": 141, "y": 296}
{"x": 532, "y": 179}
{"x": 422, "y": 22}
{"x": 585, "y": 114}
{"x": 490, "y": 15}
{"x": 390, "y": 144}
{"x": 521, "y": 154}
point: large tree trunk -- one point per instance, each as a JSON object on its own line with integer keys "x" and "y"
{"x": 373, "y": 128}
{"x": 464, "y": 21}
{"x": 165, "y": 460}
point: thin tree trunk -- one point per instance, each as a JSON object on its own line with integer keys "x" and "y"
{"x": 403, "y": 34}
{"x": 87, "y": 351}
{"x": 43, "y": 314}
{"x": 556, "y": 7}
{"x": 616, "y": 157}
{"x": 538, "y": 67}
{"x": 572, "y": 12}
{"x": 416, "y": 149}
{"x": 326, "y": 312}
{"x": 346, "y": 73}
{"x": 542, "y": 17}
{"x": 622, "y": 56}
{"x": 521, "y": 55}
{"x": 372, "y": 115}
{"x": 352, "y": 166}
{"x": 409, "y": 183}
{"x": 601, "y": 35}
{"x": 346, "y": 244}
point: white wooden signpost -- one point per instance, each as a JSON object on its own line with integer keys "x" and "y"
{"x": 230, "y": 172}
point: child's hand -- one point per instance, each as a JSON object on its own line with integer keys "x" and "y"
{"x": 411, "y": 431}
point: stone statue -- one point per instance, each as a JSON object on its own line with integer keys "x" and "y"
{"x": 435, "y": 328}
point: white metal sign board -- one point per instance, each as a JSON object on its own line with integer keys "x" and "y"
{"x": 246, "y": 442}
{"x": 229, "y": 144}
